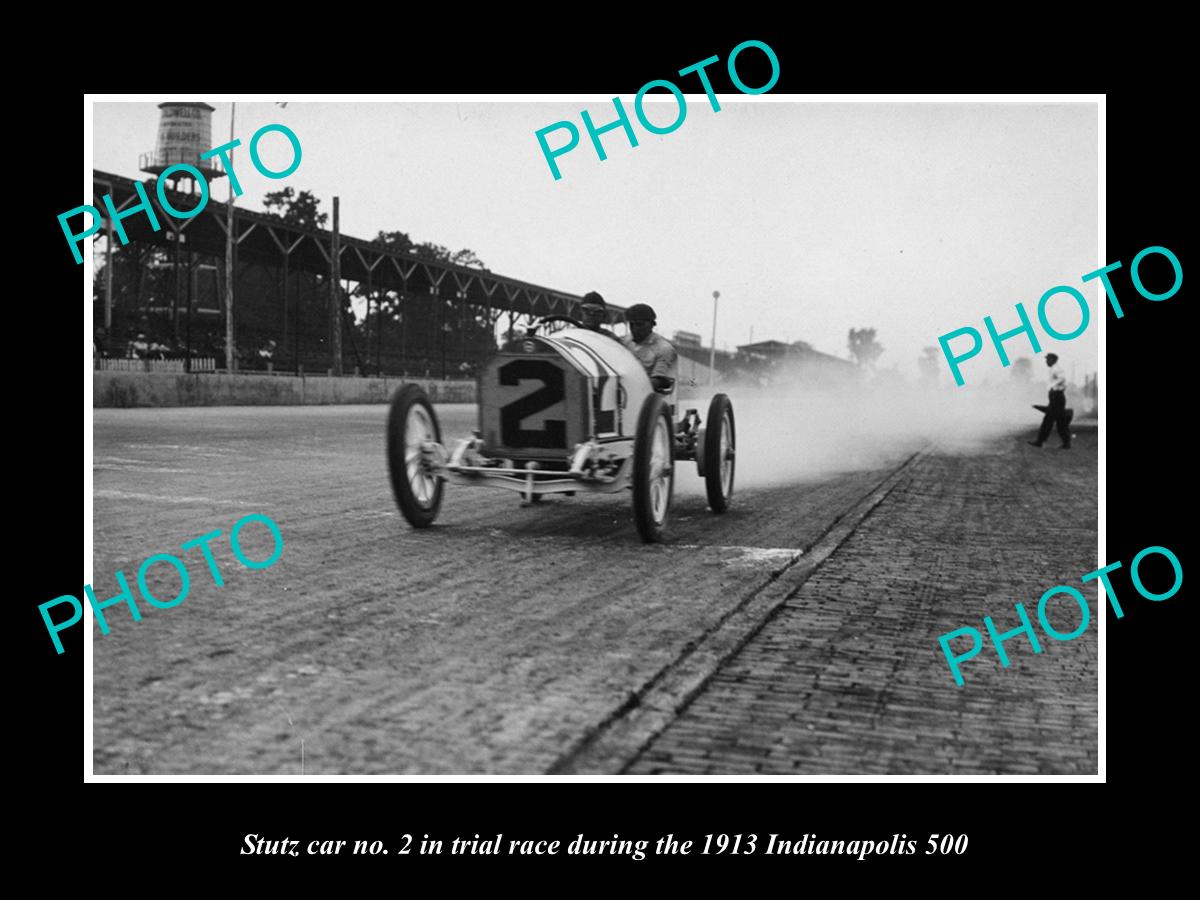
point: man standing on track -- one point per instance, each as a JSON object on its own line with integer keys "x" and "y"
{"x": 1056, "y": 413}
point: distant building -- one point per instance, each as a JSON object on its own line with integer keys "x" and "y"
{"x": 765, "y": 350}
{"x": 777, "y": 362}
{"x": 763, "y": 363}
{"x": 694, "y": 358}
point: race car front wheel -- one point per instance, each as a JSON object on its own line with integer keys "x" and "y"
{"x": 412, "y": 425}
{"x": 719, "y": 453}
{"x": 653, "y": 468}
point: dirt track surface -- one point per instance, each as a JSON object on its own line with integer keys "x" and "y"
{"x": 490, "y": 643}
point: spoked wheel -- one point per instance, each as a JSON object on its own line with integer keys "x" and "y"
{"x": 653, "y": 468}
{"x": 411, "y": 426}
{"x": 720, "y": 453}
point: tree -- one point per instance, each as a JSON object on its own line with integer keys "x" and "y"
{"x": 438, "y": 253}
{"x": 296, "y": 209}
{"x": 863, "y": 346}
{"x": 1023, "y": 370}
{"x": 144, "y": 289}
{"x": 399, "y": 240}
{"x": 433, "y": 323}
{"x": 394, "y": 240}
{"x": 465, "y": 257}
{"x": 928, "y": 363}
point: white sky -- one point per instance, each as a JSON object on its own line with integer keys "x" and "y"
{"x": 809, "y": 218}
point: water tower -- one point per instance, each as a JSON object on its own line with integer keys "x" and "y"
{"x": 184, "y": 132}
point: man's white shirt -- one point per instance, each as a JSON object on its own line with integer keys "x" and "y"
{"x": 1058, "y": 380}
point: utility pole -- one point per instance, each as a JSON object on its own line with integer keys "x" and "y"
{"x": 712, "y": 351}
{"x": 229, "y": 356}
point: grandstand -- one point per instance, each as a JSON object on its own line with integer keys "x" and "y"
{"x": 418, "y": 314}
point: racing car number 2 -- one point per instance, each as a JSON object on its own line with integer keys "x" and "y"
{"x": 554, "y": 434}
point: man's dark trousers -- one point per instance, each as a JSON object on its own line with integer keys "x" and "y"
{"x": 1056, "y": 414}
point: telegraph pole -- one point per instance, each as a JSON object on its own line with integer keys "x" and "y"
{"x": 712, "y": 351}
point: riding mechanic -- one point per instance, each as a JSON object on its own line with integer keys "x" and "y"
{"x": 654, "y": 352}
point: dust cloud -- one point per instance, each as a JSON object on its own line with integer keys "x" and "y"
{"x": 802, "y": 432}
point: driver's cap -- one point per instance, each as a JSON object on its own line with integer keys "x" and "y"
{"x": 591, "y": 298}
{"x": 641, "y": 312}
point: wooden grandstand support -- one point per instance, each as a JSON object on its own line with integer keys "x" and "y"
{"x": 335, "y": 293}
{"x": 490, "y": 290}
{"x": 405, "y": 272}
{"x": 108, "y": 254}
{"x": 232, "y": 241}
{"x": 177, "y": 233}
{"x": 463, "y": 283}
{"x": 286, "y": 251}
{"x": 191, "y": 280}
{"x": 370, "y": 267}
{"x": 379, "y": 331}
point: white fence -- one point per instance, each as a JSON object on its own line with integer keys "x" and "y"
{"x": 199, "y": 364}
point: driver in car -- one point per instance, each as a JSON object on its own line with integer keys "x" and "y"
{"x": 593, "y": 312}
{"x": 654, "y": 352}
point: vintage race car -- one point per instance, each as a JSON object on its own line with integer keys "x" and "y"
{"x": 560, "y": 413}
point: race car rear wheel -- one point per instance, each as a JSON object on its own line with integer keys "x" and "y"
{"x": 653, "y": 468}
{"x": 719, "y": 453}
{"x": 412, "y": 424}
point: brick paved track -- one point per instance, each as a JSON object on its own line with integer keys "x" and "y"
{"x": 848, "y": 677}
{"x": 489, "y": 643}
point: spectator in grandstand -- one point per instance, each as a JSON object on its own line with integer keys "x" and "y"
{"x": 100, "y": 343}
{"x": 138, "y": 348}
{"x": 266, "y": 355}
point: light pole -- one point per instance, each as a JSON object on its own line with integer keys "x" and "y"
{"x": 712, "y": 351}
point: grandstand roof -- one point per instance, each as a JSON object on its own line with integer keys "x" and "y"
{"x": 267, "y": 239}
